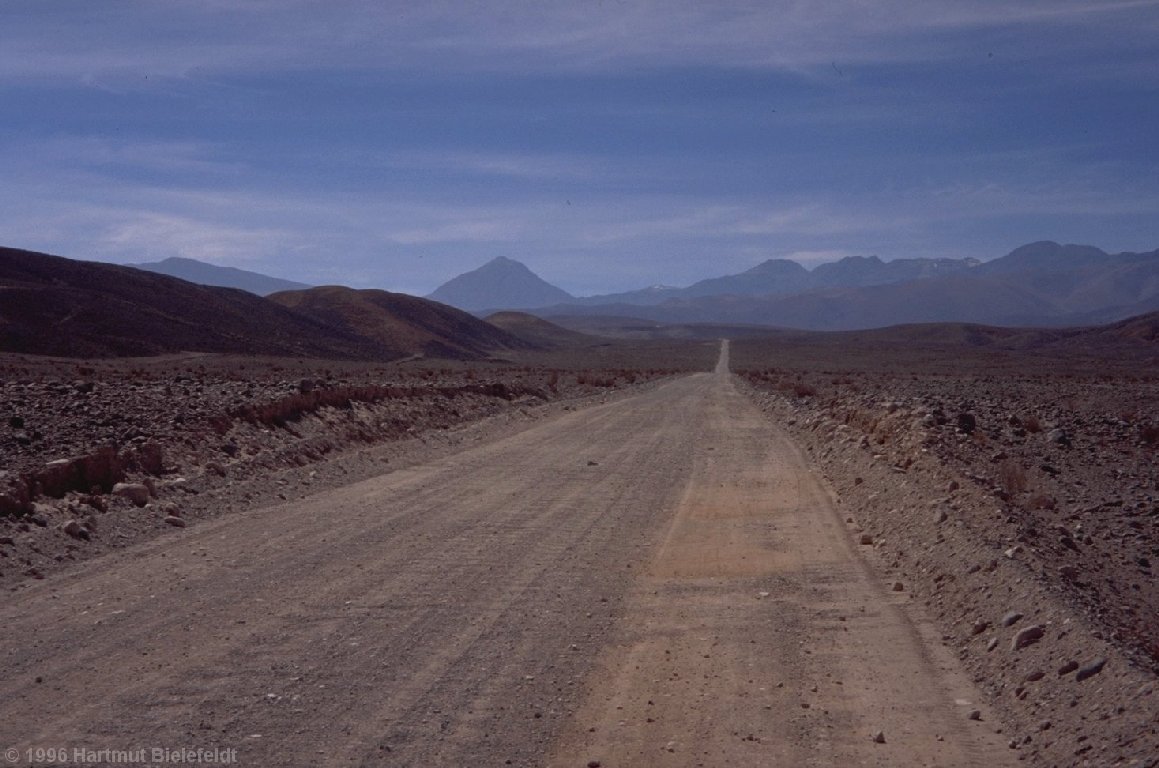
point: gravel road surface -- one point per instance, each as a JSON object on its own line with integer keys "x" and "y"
{"x": 658, "y": 581}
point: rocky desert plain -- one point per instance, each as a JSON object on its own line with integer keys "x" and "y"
{"x": 585, "y": 557}
{"x": 102, "y": 453}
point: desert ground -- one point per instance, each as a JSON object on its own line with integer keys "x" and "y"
{"x": 702, "y": 554}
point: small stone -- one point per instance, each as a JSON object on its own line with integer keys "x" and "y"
{"x": 594, "y": 764}
{"x": 898, "y": 586}
{"x": 1068, "y": 572}
{"x": 175, "y": 521}
{"x": 992, "y": 644}
{"x": 1010, "y": 618}
{"x": 866, "y": 539}
{"x": 1027, "y": 636}
{"x": 878, "y": 737}
{"x": 137, "y": 493}
{"x": 1067, "y": 668}
{"x": 940, "y": 516}
{"x": 979, "y": 627}
{"x": 1035, "y": 676}
{"x": 75, "y": 529}
{"x": 1090, "y": 670}
{"x": 975, "y": 714}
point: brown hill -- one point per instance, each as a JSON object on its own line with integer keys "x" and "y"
{"x": 404, "y": 325}
{"x": 539, "y": 332}
{"x": 1144, "y": 328}
{"x": 56, "y": 306}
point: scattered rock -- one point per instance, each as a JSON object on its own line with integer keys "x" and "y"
{"x": 878, "y": 737}
{"x": 1011, "y": 618}
{"x": 979, "y": 627}
{"x": 1090, "y": 670}
{"x": 975, "y": 714}
{"x": 75, "y": 529}
{"x": 1027, "y": 636}
{"x": 1067, "y": 668}
{"x": 898, "y": 586}
{"x": 138, "y": 493}
{"x": 175, "y": 521}
{"x": 866, "y": 539}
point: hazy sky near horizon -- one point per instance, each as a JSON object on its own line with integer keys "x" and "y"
{"x": 607, "y": 145}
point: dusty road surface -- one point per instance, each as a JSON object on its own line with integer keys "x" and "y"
{"x": 653, "y": 582}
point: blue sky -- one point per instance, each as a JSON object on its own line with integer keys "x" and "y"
{"x": 607, "y": 145}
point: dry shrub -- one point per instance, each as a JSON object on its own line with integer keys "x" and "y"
{"x": 278, "y": 413}
{"x": 803, "y": 389}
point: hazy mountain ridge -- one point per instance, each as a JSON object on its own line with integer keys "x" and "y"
{"x": 202, "y": 273}
{"x": 1038, "y": 284}
{"x": 1041, "y": 283}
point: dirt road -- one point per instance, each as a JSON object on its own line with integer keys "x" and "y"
{"x": 656, "y": 581}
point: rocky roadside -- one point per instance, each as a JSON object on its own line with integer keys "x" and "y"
{"x": 98, "y": 458}
{"x": 1019, "y": 515}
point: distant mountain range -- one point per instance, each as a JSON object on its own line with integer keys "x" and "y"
{"x": 224, "y": 277}
{"x": 55, "y": 306}
{"x": 1040, "y": 284}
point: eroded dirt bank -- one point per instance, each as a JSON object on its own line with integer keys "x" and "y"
{"x": 191, "y": 438}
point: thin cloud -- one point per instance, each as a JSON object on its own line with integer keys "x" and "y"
{"x": 126, "y": 44}
{"x": 154, "y": 235}
{"x": 508, "y": 165}
{"x": 97, "y": 152}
